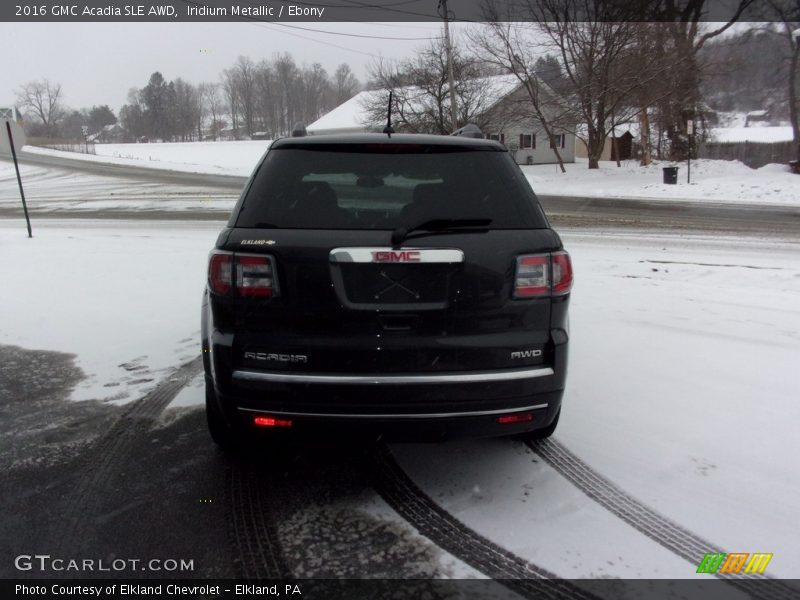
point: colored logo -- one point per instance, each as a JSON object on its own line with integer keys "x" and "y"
{"x": 736, "y": 562}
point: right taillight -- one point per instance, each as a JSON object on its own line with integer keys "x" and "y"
{"x": 543, "y": 275}
{"x": 251, "y": 275}
{"x": 562, "y": 273}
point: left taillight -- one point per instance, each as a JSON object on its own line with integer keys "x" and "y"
{"x": 539, "y": 275}
{"x": 220, "y": 271}
{"x": 250, "y": 275}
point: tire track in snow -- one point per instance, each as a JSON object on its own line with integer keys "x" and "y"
{"x": 253, "y": 535}
{"x": 105, "y": 457}
{"x": 450, "y": 534}
{"x": 644, "y": 519}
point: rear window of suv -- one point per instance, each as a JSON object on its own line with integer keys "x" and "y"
{"x": 386, "y": 186}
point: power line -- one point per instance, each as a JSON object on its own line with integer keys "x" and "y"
{"x": 355, "y": 35}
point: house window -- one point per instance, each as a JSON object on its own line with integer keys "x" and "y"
{"x": 527, "y": 141}
{"x": 558, "y": 141}
{"x": 497, "y": 137}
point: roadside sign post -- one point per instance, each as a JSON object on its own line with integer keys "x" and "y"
{"x": 85, "y": 131}
{"x": 690, "y": 138}
{"x": 19, "y": 178}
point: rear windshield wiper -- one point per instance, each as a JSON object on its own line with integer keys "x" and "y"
{"x": 400, "y": 234}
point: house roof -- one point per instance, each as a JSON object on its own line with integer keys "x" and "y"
{"x": 348, "y": 116}
{"x": 353, "y": 116}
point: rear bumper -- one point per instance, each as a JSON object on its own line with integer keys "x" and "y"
{"x": 409, "y": 426}
{"x": 418, "y": 405}
{"x": 398, "y": 406}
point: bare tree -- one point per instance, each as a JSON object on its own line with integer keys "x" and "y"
{"x": 316, "y": 91}
{"x": 507, "y": 46}
{"x": 597, "y": 45}
{"x": 211, "y": 106}
{"x": 187, "y": 111}
{"x": 43, "y": 99}
{"x": 245, "y": 80}
{"x": 231, "y": 91}
{"x": 421, "y": 97}
{"x": 682, "y": 36}
{"x": 267, "y": 97}
{"x": 286, "y": 79}
{"x": 131, "y": 116}
{"x": 345, "y": 84}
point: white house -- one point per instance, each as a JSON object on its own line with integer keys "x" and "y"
{"x": 504, "y": 115}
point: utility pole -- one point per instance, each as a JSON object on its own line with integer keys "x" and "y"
{"x": 448, "y": 49}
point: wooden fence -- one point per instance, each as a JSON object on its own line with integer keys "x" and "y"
{"x": 753, "y": 154}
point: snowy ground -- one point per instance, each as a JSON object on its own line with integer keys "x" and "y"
{"x": 682, "y": 386}
{"x": 217, "y": 158}
{"x": 711, "y": 180}
{"x": 123, "y": 296}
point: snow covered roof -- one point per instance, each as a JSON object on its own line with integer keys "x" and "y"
{"x": 757, "y": 113}
{"x": 347, "y": 117}
{"x": 352, "y": 116}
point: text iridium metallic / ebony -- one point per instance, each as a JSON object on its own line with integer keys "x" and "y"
{"x": 410, "y": 284}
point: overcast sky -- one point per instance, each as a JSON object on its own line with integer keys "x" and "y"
{"x": 97, "y": 63}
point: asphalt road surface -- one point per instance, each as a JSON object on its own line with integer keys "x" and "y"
{"x": 138, "y": 184}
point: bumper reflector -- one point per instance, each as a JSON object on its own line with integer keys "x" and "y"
{"x": 271, "y": 422}
{"x": 509, "y": 419}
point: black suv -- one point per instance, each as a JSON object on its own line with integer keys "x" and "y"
{"x": 407, "y": 285}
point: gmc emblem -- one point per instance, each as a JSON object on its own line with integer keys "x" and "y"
{"x": 401, "y": 256}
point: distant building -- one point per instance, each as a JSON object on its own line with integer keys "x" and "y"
{"x": 756, "y": 116}
{"x": 11, "y": 113}
{"x": 625, "y": 143}
{"x": 506, "y": 118}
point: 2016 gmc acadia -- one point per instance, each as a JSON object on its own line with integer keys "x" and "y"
{"x": 406, "y": 285}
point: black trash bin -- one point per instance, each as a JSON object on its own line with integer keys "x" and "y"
{"x": 670, "y": 174}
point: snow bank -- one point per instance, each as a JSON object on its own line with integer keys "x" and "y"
{"x": 712, "y": 181}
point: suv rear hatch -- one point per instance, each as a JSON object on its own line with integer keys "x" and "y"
{"x": 388, "y": 258}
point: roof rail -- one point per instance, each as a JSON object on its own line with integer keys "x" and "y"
{"x": 299, "y": 130}
{"x": 469, "y": 130}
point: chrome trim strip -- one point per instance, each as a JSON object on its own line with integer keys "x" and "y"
{"x": 476, "y": 413}
{"x": 478, "y": 376}
{"x": 426, "y": 255}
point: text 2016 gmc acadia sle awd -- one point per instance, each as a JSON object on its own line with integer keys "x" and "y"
{"x": 406, "y": 285}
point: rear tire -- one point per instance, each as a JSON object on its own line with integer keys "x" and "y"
{"x": 219, "y": 428}
{"x": 541, "y": 434}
